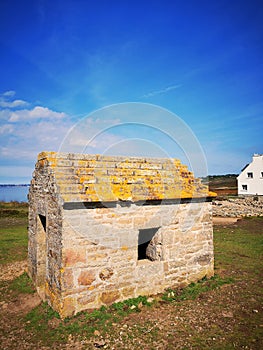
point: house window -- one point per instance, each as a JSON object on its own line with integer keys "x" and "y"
{"x": 244, "y": 187}
{"x": 149, "y": 246}
{"x": 261, "y": 174}
{"x": 250, "y": 175}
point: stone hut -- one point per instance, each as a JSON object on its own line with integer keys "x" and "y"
{"x": 104, "y": 229}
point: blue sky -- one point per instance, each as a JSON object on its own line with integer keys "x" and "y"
{"x": 62, "y": 60}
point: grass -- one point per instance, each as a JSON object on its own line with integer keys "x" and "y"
{"x": 103, "y": 319}
{"x": 13, "y": 244}
{"x": 13, "y": 209}
{"x": 83, "y": 324}
{"x": 240, "y": 247}
{"x": 22, "y": 285}
{"x": 13, "y": 232}
{"x": 194, "y": 290}
{"x": 238, "y": 263}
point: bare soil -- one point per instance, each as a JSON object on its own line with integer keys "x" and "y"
{"x": 10, "y": 271}
{"x": 218, "y": 220}
{"x": 229, "y": 317}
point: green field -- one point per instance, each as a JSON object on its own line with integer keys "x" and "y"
{"x": 13, "y": 232}
{"x": 224, "y": 312}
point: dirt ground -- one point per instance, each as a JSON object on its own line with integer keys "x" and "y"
{"x": 224, "y": 221}
{"x": 230, "y": 312}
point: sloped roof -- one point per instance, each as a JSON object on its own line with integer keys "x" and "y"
{"x": 94, "y": 178}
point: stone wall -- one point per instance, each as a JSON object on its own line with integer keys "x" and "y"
{"x": 100, "y": 252}
{"x": 239, "y": 206}
{"x": 44, "y": 233}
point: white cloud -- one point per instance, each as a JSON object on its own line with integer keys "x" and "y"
{"x": 4, "y": 115}
{"x": 6, "y": 103}
{"x": 27, "y": 140}
{"x": 6, "y": 129}
{"x": 12, "y": 104}
{"x": 36, "y": 113}
{"x": 162, "y": 91}
{"x": 26, "y": 132}
{"x": 9, "y": 93}
{"x": 91, "y": 135}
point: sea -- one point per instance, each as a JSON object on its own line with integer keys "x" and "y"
{"x": 14, "y": 193}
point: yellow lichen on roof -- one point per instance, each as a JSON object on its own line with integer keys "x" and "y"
{"x": 93, "y": 178}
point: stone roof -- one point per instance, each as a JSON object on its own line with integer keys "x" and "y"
{"x": 99, "y": 178}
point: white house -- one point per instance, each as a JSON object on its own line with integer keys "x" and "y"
{"x": 250, "y": 180}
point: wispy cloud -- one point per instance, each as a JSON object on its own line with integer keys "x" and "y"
{"x": 26, "y": 132}
{"x": 162, "y": 91}
{"x": 12, "y": 104}
{"x": 91, "y": 135}
{"x": 6, "y": 129}
{"x": 9, "y": 93}
{"x": 22, "y": 141}
{"x": 29, "y": 130}
{"x": 37, "y": 113}
{"x": 6, "y": 102}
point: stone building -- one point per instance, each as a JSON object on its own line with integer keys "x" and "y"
{"x": 103, "y": 229}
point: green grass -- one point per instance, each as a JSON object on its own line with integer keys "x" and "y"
{"x": 83, "y": 324}
{"x": 13, "y": 209}
{"x": 13, "y": 232}
{"x": 236, "y": 249}
{"x": 22, "y": 285}
{"x": 38, "y": 321}
{"x": 241, "y": 247}
{"x": 13, "y": 244}
{"x": 194, "y": 290}
{"x": 41, "y": 314}
{"x": 238, "y": 259}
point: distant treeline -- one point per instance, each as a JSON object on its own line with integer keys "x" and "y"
{"x": 226, "y": 176}
{"x": 222, "y": 184}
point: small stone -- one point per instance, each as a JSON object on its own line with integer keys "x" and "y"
{"x": 96, "y": 332}
{"x": 150, "y": 300}
{"x": 133, "y": 307}
{"x": 99, "y": 343}
{"x": 227, "y": 314}
{"x": 255, "y": 311}
{"x": 4, "y": 306}
{"x": 140, "y": 305}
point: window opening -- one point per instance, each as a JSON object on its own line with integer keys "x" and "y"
{"x": 244, "y": 187}
{"x": 43, "y": 221}
{"x": 41, "y": 254}
{"x": 144, "y": 239}
{"x": 250, "y": 175}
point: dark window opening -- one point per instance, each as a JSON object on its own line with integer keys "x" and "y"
{"x": 144, "y": 239}
{"x": 43, "y": 221}
{"x": 250, "y": 175}
{"x": 244, "y": 187}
